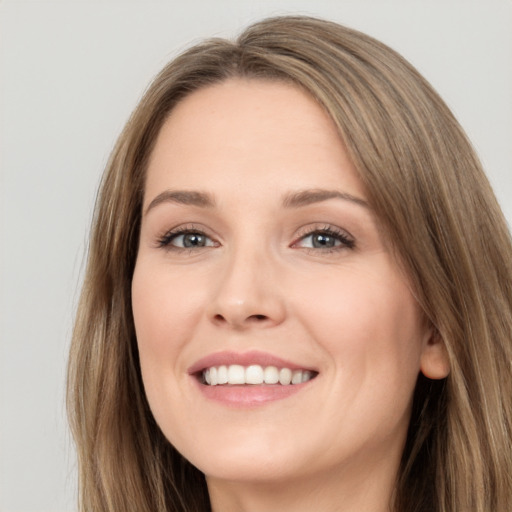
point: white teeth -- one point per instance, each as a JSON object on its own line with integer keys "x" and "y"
{"x": 222, "y": 375}
{"x": 236, "y": 374}
{"x": 254, "y": 374}
{"x": 285, "y": 376}
{"x": 306, "y": 375}
{"x": 271, "y": 375}
{"x": 296, "y": 376}
{"x": 213, "y": 376}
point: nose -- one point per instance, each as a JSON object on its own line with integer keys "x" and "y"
{"x": 248, "y": 293}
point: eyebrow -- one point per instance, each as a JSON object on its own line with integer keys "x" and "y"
{"x": 184, "y": 197}
{"x": 307, "y": 197}
{"x": 291, "y": 200}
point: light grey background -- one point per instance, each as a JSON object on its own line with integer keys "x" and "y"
{"x": 71, "y": 71}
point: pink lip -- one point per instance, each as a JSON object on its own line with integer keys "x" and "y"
{"x": 246, "y": 396}
{"x": 249, "y": 396}
{"x": 244, "y": 359}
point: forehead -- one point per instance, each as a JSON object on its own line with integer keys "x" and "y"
{"x": 249, "y": 133}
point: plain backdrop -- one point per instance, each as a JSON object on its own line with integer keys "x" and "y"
{"x": 71, "y": 72}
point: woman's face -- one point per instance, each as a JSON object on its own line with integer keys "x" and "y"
{"x": 261, "y": 261}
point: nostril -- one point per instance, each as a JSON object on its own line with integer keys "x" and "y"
{"x": 220, "y": 319}
{"x": 258, "y": 317}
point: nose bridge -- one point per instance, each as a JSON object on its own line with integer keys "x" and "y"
{"x": 248, "y": 290}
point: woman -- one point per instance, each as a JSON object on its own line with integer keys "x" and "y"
{"x": 298, "y": 293}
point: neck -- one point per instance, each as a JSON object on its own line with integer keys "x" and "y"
{"x": 336, "y": 491}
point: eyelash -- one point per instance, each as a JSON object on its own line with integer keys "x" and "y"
{"x": 346, "y": 241}
{"x": 166, "y": 240}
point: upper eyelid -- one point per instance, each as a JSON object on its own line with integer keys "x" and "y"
{"x": 167, "y": 236}
{"x": 349, "y": 241}
{"x": 187, "y": 228}
{"x": 319, "y": 227}
{"x": 300, "y": 233}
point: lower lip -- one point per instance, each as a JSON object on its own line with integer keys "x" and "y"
{"x": 250, "y": 395}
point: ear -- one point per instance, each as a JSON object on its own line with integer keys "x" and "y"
{"x": 434, "y": 362}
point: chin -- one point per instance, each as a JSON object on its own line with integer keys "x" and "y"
{"x": 245, "y": 456}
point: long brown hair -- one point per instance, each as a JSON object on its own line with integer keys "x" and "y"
{"x": 427, "y": 188}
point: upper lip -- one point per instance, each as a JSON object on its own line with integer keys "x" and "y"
{"x": 244, "y": 359}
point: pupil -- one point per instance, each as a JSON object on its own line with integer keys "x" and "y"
{"x": 321, "y": 240}
{"x": 193, "y": 240}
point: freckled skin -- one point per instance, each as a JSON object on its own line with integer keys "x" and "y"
{"x": 259, "y": 284}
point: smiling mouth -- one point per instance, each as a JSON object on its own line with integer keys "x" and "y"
{"x": 235, "y": 374}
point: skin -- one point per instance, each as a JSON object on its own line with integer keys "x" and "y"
{"x": 260, "y": 284}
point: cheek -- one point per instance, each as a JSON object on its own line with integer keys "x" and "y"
{"x": 371, "y": 331}
{"x": 367, "y": 322}
{"x": 164, "y": 309}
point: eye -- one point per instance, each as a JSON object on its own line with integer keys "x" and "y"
{"x": 326, "y": 239}
{"x": 186, "y": 239}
